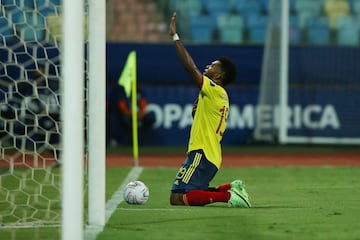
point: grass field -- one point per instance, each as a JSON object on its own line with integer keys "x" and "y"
{"x": 288, "y": 203}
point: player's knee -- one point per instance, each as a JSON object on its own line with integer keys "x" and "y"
{"x": 176, "y": 199}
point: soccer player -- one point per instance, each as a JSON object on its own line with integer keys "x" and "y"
{"x": 210, "y": 113}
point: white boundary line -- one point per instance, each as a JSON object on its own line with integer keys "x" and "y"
{"x": 91, "y": 232}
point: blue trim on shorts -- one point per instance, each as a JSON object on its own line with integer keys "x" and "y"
{"x": 195, "y": 173}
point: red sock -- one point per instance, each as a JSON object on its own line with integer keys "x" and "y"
{"x": 224, "y": 188}
{"x": 201, "y": 197}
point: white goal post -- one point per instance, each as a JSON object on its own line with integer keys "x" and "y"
{"x": 97, "y": 101}
{"x": 73, "y": 119}
{"x": 73, "y": 116}
{"x": 303, "y": 107}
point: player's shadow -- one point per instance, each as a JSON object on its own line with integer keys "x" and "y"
{"x": 257, "y": 207}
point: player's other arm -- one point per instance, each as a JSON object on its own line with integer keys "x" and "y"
{"x": 185, "y": 58}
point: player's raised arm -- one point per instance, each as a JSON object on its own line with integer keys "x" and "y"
{"x": 183, "y": 54}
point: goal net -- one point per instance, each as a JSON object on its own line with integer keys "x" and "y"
{"x": 30, "y": 105}
{"x": 308, "y": 93}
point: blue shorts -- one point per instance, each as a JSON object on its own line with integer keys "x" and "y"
{"x": 194, "y": 174}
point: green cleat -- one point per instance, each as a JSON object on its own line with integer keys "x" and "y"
{"x": 242, "y": 197}
{"x": 236, "y": 200}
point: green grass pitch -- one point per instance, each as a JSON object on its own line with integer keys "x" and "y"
{"x": 288, "y": 203}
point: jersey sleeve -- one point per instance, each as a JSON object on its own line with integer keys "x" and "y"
{"x": 207, "y": 85}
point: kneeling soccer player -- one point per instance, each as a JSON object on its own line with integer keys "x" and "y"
{"x": 210, "y": 113}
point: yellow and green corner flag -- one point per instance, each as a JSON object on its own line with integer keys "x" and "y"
{"x": 127, "y": 79}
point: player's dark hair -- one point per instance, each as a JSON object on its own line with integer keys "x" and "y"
{"x": 229, "y": 69}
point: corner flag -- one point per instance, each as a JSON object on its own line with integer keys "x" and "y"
{"x": 127, "y": 79}
{"x": 128, "y": 75}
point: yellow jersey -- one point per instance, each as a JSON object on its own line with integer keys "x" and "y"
{"x": 209, "y": 122}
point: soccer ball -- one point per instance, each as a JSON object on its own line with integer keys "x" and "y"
{"x": 136, "y": 192}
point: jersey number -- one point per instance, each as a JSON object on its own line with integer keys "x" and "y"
{"x": 224, "y": 112}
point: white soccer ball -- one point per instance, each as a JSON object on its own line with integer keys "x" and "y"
{"x": 136, "y": 192}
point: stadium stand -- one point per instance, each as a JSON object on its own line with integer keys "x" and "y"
{"x": 136, "y": 21}
{"x": 334, "y": 9}
{"x": 346, "y": 35}
{"x": 307, "y": 19}
{"x": 202, "y": 28}
{"x": 355, "y": 6}
{"x": 217, "y": 7}
{"x": 295, "y": 34}
{"x": 146, "y": 20}
{"x": 230, "y": 28}
{"x": 257, "y": 25}
{"x": 31, "y": 26}
{"x": 306, "y": 10}
{"x": 5, "y": 28}
{"x": 318, "y": 31}
{"x": 246, "y": 7}
{"x": 24, "y": 21}
{"x": 301, "y": 6}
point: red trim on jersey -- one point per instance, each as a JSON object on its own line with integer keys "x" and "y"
{"x": 202, "y": 82}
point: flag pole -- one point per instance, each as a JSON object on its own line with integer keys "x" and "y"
{"x": 134, "y": 114}
{"x": 127, "y": 79}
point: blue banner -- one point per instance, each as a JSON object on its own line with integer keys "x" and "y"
{"x": 323, "y": 95}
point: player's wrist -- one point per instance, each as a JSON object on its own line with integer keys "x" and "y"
{"x": 175, "y": 37}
